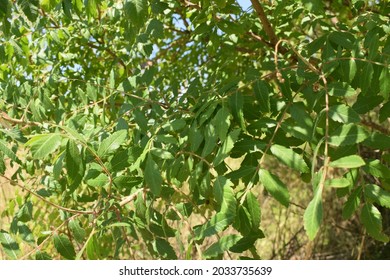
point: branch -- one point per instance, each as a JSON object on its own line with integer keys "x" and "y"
{"x": 267, "y": 25}
{"x": 8, "y": 119}
{"x": 130, "y": 197}
{"x": 110, "y": 52}
{"x": 264, "y": 20}
{"x": 81, "y": 212}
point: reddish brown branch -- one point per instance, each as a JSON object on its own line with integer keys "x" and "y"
{"x": 269, "y": 30}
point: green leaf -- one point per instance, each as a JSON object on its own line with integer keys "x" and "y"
{"x": 47, "y": 5}
{"x": 377, "y": 195}
{"x": 377, "y": 140}
{"x": 337, "y": 183}
{"x": 25, "y": 212}
{"x": 315, "y": 45}
{"x": 243, "y": 222}
{"x": 74, "y": 164}
{"x": 15, "y": 134}
{"x": 127, "y": 182}
{"x": 275, "y": 187}
{"x": 111, "y": 143}
{"x": 262, "y": 96}
{"x": 4, "y": 4}
{"x": 44, "y": 145}
{"x": 242, "y": 172}
{"x": 174, "y": 125}
{"x": 210, "y": 140}
{"x": 371, "y": 218}
{"x": 222, "y": 123}
{"x": 165, "y": 250}
{"x": 164, "y": 154}
{"x": 348, "y": 134}
{"x": 384, "y": 83}
{"x": 302, "y": 118}
{"x": 365, "y": 103}
{"x": 252, "y": 204}
{"x": 384, "y": 111}
{"x": 220, "y": 184}
{"x": 77, "y": 231}
{"x": 100, "y": 181}
{"x": 92, "y": 8}
{"x": 366, "y": 78}
{"x": 10, "y": 247}
{"x": 353, "y": 161}
{"x": 72, "y": 132}
{"x": 340, "y": 89}
{"x": 236, "y": 102}
{"x": 156, "y": 29}
{"x": 348, "y": 69}
{"x": 377, "y": 169}
{"x": 222, "y": 245}
{"x": 289, "y": 158}
{"x": 222, "y": 219}
{"x": 93, "y": 248}
{"x": 195, "y": 137}
{"x": 8, "y": 152}
{"x": 136, "y": 11}
{"x": 352, "y": 204}
{"x": 64, "y": 247}
{"x": 227, "y": 146}
{"x": 152, "y": 176}
{"x": 344, "y": 39}
{"x": 343, "y": 114}
{"x": 2, "y": 164}
{"x": 247, "y": 241}
{"x": 39, "y": 255}
{"x": 313, "y": 214}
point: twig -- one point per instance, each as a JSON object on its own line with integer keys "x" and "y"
{"x": 5, "y": 117}
{"x": 81, "y": 212}
{"x": 130, "y": 198}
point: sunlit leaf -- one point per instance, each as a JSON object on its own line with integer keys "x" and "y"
{"x": 275, "y": 187}
{"x": 344, "y": 114}
{"x": 353, "y": 161}
{"x": 8, "y": 152}
{"x": 111, "y": 143}
{"x": 377, "y": 195}
{"x": 10, "y": 247}
{"x": 348, "y": 134}
{"x": 44, "y": 145}
{"x": 290, "y": 158}
{"x": 313, "y": 215}
{"x": 371, "y": 218}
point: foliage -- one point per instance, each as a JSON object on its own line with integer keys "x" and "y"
{"x": 122, "y": 115}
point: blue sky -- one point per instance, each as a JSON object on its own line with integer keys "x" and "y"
{"x": 245, "y": 4}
